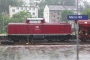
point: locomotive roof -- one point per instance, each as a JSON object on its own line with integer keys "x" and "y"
{"x": 83, "y": 21}
{"x": 56, "y": 23}
{"x": 24, "y": 24}
{"x": 35, "y": 18}
{"x": 16, "y": 23}
{"x": 39, "y": 23}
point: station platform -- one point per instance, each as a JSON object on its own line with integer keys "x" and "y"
{"x": 44, "y": 52}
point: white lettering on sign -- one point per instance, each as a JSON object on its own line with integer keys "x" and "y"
{"x": 75, "y": 17}
{"x": 80, "y": 17}
{"x": 72, "y": 16}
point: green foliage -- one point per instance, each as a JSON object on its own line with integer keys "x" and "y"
{"x": 58, "y": 2}
{"x": 86, "y": 5}
{"x": 68, "y": 2}
{"x": 46, "y": 2}
{"x": 54, "y": 2}
{"x": 51, "y": 2}
{"x": 3, "y": 23}
{"x": 4, "y": 4}
{"x": 6, "y": 20}
{"x": 20, "y": 17}
{"x": 65, "y": 13}
{"x": 42, "y": 6}
{"x": 86, "y": 12}
{"x": 40, "y": 13}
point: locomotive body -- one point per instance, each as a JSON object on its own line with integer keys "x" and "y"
{"x": 84, "y": 29}
{"x": 38, "y": 29}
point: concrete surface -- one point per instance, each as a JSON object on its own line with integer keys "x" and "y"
{"x": 44, "y": 52}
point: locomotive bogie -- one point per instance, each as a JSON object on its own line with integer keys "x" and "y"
{"x": 50, "y": 38}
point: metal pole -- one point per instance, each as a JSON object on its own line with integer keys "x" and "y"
{"x": 77, "y": 34}
{"x": 3, "y": 23}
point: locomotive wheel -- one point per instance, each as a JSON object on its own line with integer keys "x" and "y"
{"x": 83, "y": 40}
{"x": 49, "y": 40}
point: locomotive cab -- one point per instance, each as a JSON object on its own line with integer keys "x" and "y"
{"x": 35, "y": 20}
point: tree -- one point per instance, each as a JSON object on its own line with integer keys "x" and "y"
{"x": 58, "y": 2}
{"x": 54, "y": 2}
{"x": 51, "y": 2}
{"x": 4, "y": 19}
{"x": 85, "y": 6}
{"x": 1, "y": 23}
{"x": 4, "y": 4}
{"x": 68, "y": 2}
{"x": 86, "y": 12}
{"x": 20, "y": 17}
{"x": 65, "y": 13}
{"x": 46, "y": 2}
{"x": 40, "y": 13}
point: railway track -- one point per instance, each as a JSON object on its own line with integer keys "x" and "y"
{"x": 51, "y": 43}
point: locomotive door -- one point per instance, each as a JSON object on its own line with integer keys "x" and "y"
{"x": 35, "y": 29}
{"x": 62, "y": 29}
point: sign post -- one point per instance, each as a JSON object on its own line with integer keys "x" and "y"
{"x": 76, "y": 18}
{"x": 77, "y": 34}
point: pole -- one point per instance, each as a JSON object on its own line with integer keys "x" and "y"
{"x": 77, "y": 34}
{"x": 3, "y": 24}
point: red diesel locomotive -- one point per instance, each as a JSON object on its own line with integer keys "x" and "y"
{"x": 37, "y": 29}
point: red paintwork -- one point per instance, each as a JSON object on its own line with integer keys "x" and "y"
{"x": 35, "y": 28}
{"x": 17, "y": 28}
{"x": 84, "y": 23}
{"x": 56, "y": 28}
{"x": 39, "y": 28}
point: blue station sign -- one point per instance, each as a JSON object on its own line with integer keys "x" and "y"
{"x": 77, "y": 17}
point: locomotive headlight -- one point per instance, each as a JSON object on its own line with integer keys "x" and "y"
{"x": 85, "y": 22}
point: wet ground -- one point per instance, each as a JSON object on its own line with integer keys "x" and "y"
{"x": 44, "y": 52}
